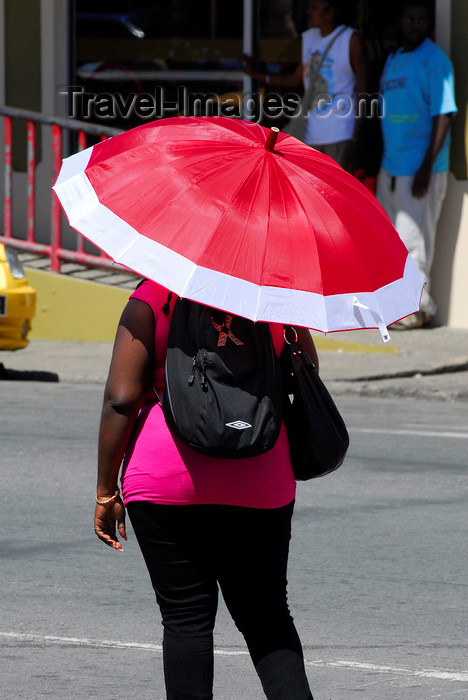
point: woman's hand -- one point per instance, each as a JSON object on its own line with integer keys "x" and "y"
{"x": 245, "y": 64}
{"x": 106, "y": 518}
{"x": 421, "y": 180}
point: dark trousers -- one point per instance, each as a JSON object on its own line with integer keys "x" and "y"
{"x": 189, "y": 550}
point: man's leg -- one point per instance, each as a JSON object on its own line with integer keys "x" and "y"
{"x": 386, "y": 193}
{"x": 337, "y": 150}
{"x": 416, "y": 222}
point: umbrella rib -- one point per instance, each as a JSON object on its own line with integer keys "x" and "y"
{"x": 208, "y": 197}
{"x": 260, "y": 163}
{"x": 298, "y": 200}
{"x": 274, "y": 165}
{"x": 229, "y": 204}
{"x": 339, "y": 214}
{"x": 375, "y": 307}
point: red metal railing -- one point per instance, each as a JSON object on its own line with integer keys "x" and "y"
{"x": 58, "y": 125}
{"x": 8, "y": 177}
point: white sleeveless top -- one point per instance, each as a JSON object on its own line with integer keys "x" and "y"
{"x": 332, "y": 119}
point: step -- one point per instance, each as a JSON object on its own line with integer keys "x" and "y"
{"x": 116, "y": 278}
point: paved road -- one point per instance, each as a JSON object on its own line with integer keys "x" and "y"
{"x": 378, "y": 578}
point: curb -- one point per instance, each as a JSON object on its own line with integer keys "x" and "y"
{"x": 437, "y": 389}
{"x": 331, "y": 345}
{"x": 406, "y": 374}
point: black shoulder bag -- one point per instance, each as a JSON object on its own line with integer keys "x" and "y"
{"x": 318, "y": 438}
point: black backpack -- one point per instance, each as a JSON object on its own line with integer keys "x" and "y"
{"x": 223, "y": 387}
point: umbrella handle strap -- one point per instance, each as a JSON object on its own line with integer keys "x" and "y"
{"x": 378, "y": 320}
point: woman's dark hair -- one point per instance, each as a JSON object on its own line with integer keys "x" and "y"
{"x": 167, "y": 306}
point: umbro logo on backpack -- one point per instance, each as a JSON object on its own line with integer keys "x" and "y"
{"x": 239, "y": 425}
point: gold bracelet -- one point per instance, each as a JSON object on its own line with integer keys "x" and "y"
{"x": 108, "y": 500}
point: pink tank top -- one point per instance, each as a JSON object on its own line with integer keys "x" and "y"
{"x": 160, "y": 468}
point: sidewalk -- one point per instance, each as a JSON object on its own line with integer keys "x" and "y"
{"x": 427, "y": 363}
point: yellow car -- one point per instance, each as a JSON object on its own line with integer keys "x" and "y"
{"x": 17, "y": 302}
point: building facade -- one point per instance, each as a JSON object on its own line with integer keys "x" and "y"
{"x": 72, "y": 57}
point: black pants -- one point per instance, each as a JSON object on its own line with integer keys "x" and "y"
{"x": 189, "y": 550}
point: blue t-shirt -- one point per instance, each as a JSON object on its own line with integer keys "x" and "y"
{"x": 416, "y": 86}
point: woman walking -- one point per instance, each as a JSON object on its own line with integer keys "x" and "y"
{"x": 201, "y": 522}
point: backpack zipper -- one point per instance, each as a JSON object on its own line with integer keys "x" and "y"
{"x": 199, "y": 367}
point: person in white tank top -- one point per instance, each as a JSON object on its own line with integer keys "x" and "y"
{"x": 332, "y": 125}
{"x": 332, "y": 115}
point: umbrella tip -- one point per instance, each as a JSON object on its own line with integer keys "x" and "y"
{"x": 271, "y": 138}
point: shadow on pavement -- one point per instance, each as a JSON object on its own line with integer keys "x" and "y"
{"x": 27, "y": 375}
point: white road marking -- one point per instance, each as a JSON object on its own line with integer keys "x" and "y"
{"x": 462, "y": 427}
{"x": 442, "y": 675}
{"x": 439, "y": 674}
{"x": 97, "y": 643}
{"x": 417, "y": 433}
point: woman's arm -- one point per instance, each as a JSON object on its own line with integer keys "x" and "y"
{"x": 421, "y": 181}
{"x": 305, "y": 339}
{"x": 129, "y": 379}
{"x": 289, "y": 80}
{"x": 357, "y": 57}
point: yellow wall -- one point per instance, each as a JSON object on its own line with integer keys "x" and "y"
{"x": 449, "y": 272}
{"x": 71, "y": 309}
{"x": 458, "y": 54}
{"x": 449, "y": 278}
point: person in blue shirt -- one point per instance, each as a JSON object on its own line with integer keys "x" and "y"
{"x": 417, "y": 85}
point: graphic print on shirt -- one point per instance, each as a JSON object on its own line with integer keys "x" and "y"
{"x": 323, "y": 81}
{"x": 393, "y": 84}
{"x": 331, "y": 117}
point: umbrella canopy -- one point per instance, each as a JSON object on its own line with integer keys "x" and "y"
{"x": 215, "y": 210}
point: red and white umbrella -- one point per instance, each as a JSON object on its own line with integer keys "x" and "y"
{"x": 217, "y": 211}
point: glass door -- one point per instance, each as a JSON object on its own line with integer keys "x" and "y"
{"x": 137, "y": 61}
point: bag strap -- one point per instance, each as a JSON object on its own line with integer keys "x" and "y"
{"x": 166, "y": 310}
{"x": 295, "y": 347}
{"x": 309, "y": 93}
